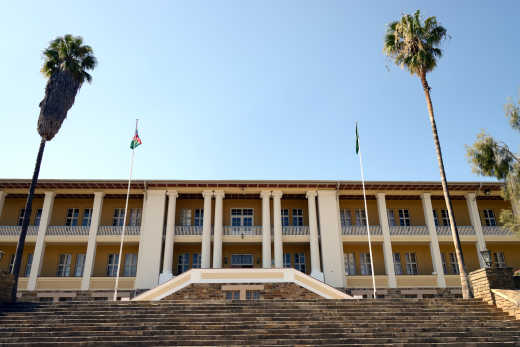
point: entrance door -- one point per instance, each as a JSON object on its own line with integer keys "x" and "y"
{"x": 242, "y": 260}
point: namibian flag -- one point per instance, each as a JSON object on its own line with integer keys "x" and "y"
{"x": 136, "y": 141}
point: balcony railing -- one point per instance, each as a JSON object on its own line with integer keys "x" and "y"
{"x": 13, "y": 230}
{"x": 462, "y": 229}
{"x": 110, "y": 230}
{"x": 496, "y": 230}
{"x": 409, "y": 230}
{"x": 188, "y": 230}
{"x": 243, "y": 230}
{"x": 292, "y": 230}
{"x": 76, "y": 230}
{"x": 360, "y": 230}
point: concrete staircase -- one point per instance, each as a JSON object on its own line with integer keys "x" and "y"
{"x": 419, "y": 322}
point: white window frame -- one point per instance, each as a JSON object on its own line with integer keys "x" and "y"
{"x": 489, "y": 217}
{"x": 242, "y": 258}
{"x": 365, "y": 264}
{"x": 398, "y": 268}
{"x": 79, "y": 267}
{"x": 404, "y": 217}
{"x": 350, "y": 263}
{"x": 411, "y": 263}
{"x": 196, "y": 261}
{"x": 198, "y": 217}
{"x": 284, "y": 215}
{"x": 391, "y": 217}
{"x": 299, "y": 262}
{"x": 28, "y": 264}
{"x": 240, "y": 217}
{"x": 64, "y": 262}
{"x": 112, "y": 262}
{"x": 435, "y": 218}
{"x": 454, "y": 264}
{"x": 346, "y": 217}
{"x": 38, "y": 216}
{"x": 20, "y": 216}
{"x": 136, "y": 215}
{"x": 87, "y": 217}
{"x": 287, "y": 263}
{"x": 118, "y": 218}
{"x": 185, "y": 217}
{"x": 130, "y": 268}
{"x": 361, "y": 217}
{"x": 499, "y": 259}
{"x": 183, "y": 263}
{"x": 72, "y": 217}
{"x": 297, "y": 217}
{"x": 445, "y": 217}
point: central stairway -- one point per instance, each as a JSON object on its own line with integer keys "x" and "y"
{"x": 419, "y": 322}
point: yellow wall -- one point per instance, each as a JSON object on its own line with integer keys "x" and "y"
{"x": 59, "y": 211}
{"x": 414, "y": 208}
{"x": 358, "y": 248}
{"x": 496, "y": 205}
{"x": 189, "y": 204}
{"x": 460, "y": 209}
{"x": 422, "y": 255}
{"x": 255, "y": 204}
{"x": 352, "y": 205}
{"x": 294, "y": 203}
{"x": 12, "y": 207}
{"x": 102, "y": 252}
{"x": 511, "y": 253}
{"x": 184, "y": 248}
{"x": 468, "y": 250}
{"x": 9, "y": 250}
{"x": 52, "y": 256}
{"x": 109, "y": 205}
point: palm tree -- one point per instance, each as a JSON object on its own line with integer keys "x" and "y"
{"x": 415, "y": 46}
{"x": 66, "y": 62}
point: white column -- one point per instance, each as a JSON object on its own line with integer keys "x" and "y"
{"x": 218, "y": 230}
{"x": 471, "y": 201}
{"x": 277, "y": 221}
{"x": 266, "y": 229}
{"x": 331, "y": 241}
{"x": 206, "y": 231}
{"x": 166, "y": 273}
{"x": 39, "y": 249}
{"x": 313, "y": 236}
{"x": 387, "y": 242}
{"x": 150, "y": 240}
{"x": 91, "y": 244}
{"x": 2, "y": 201}
{"x": 434, "y": 240}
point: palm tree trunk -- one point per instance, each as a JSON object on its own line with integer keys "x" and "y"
{"x": 466, "y": 293}
{"x": 25, "y": 224}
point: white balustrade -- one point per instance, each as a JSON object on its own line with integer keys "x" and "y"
{"x": 360, "y": 230}
{"x": 13, "y": 230}
{"x": 110, "y": 230}
{"x": 188, "y": 230}
{"x": 462, "y": 229}
{"x": 295, "y": 230}
{"x": 496, "y": 230}
{"x": 409, "y": 230}
{"x": 67, "y": 230}
{"x": 243, "y": 230}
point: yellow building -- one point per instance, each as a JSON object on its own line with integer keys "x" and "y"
{"x": 316, "y": 227}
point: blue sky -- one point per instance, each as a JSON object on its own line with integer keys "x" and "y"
{"x": 255, "y": 89}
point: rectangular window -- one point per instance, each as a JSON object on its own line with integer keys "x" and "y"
{"x": 242, "y": 260}
{"x": 28, "y": 265}
{"x": 113, "y": 260}
{"x": 196, "y": 261}
{"x": 411, "y": 263}
{"x": 297, "y": 217}
{"x": 20, "y": 216}
{"x": 184, "y": 263}
{"x": 499, "y": 259}
{"x": 453, "y": 264}
{"x": 64, "y": 265}
{"x": 444, "y": 266}
{"x": 242, "y": 217}
{"x": 72, "y": 217}
{"x": 435, "y": 218}
{"x": 119, "y": 217}
{"x": 366, "y": 268}
{"x": 391, "y": 217}
{"x": 397, "y": 264}
{"x": 199, "y": 217}
{"x": 87, "y": 217}
{"x": 361, "y": 217}
{"x": 38, "y": 216}
{"x": 285, "y": 217}
{"x": 489, "y": 218}
{"x": 232, "y": 294}
{"x": 346, "y": 217}
{"x": 404, "y": 217}
{"x": 80, "y": 265}
{"x": 252, "y": 295}
{"x": 135, "y": 216}
{"x": 287, "y": 260}
{"x": 299, "y": 262}
{"x": 11, "y": 264}
{"x": 350, "y": 264}
{"x": 445, "y": 218}
{"x": 186, "y": 217}
{"x": 130, "y": 265}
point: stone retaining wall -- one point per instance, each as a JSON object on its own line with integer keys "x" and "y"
{"x": 485, "y": 279}
{"x": 74, "y": 295}
{"x": 394, "y": 293}
{"x": 6, "y": 286}
{"x": 508, "y": 301}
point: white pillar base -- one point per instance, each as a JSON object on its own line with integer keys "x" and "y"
{"x": 318, "y": 276}
{"x": 165, "y": 277}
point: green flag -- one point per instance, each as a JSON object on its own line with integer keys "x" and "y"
{"x": 136, "y": 141}
{"x": 357, "y": 140}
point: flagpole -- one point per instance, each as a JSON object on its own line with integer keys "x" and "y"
{"x": 124, "y": 220}
{"x": 366, "y": 216}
